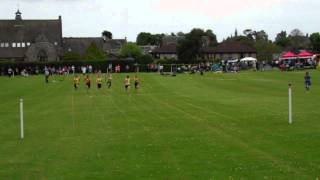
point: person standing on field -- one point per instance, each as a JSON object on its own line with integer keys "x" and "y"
{"x": 307, "y": 81}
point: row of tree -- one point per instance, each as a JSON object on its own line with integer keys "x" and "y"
{"x": 189, "y": 45}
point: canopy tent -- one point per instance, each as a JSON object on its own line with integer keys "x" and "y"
{"x": 288, "y": 55}
{"x": 233, "y": 61}
{"x": 248, "y": 59}
{"x": 305, "y": 55}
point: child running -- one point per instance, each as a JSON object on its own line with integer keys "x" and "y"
{"x": 99, "y": 82}
{"x": 136, "y": 82}
{"x": 127, "y": 83}
{"x": 76, "y": 81}
{"x": 307, "y": 81}
{"x": 46, "y": 74}
{"x": 109, "y": 81}
{"x": 88, "y": 82}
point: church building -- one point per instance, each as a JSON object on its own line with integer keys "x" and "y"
{"x": 42, "y": 40}
{"x": 31, "y": 40}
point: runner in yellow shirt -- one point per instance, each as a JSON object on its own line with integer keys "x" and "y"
{"x": 99, "y": 82}
{"x": 136, "y": 82}
{"x": 127, "y": 83}
{"x": 109, "y": 81}
{"x": 76, "y": 82}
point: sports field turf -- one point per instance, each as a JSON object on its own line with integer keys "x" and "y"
{"x": 218, "y": 126}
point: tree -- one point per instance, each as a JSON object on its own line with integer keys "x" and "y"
{"x": 256, "y": 35}
{"x": 131, "y": 50}
{"x": 144, "y": 38}
{"x": 282, "y": 39}
{"x": 266, "y": 49}
{"x": 106, "y": 35}
{"x": 298, "y": 40}
{"x": 296, "y": 32}
{"x": 157, "y": 39}
{"x": 212, "y": 37}
{"x": 315, "y": 41}
{"x": 189, "y": 48}
{"x": 145, "y": 59}
{"x": 94, "y": 53}
{"x": 248, "y": 33}
{"x": 180, "y": 34}
{"x": 260, "y": 35}
{"x": 242, "y": 39}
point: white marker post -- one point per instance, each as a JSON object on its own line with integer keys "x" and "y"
{"x": 290, "y": 104}
{"x": 21, "y": 119}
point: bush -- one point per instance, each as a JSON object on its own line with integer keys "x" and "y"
{"x": 166, "y": 61}
{"x": 71, "y": 56}
{"x": 145, "y": 59}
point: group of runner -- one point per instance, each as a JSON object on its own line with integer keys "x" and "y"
{"x": 99, "y": 82}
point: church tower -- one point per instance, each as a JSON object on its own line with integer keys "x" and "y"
{"x": 18, "y": 15}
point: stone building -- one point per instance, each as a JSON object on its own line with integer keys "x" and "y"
{"x": 31, "y": 40}
{"x": 223, "y": 51}
{"x": 229, "y": 50}
{"x": 79, "y": 45}
{"x": 166, "y": 52}
{"x": 42, "y": 40}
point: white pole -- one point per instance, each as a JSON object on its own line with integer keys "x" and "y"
{"x": 290, "y": 104}
{"x": 21, "y": 119}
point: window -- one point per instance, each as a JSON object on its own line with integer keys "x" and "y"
{"x": 18, "y": 45}
{"x": 2, "y": 44}
{"x": 23, "y": 44}
{"x": 56, "y": 43}
{"x": 6, "y": 44}
{"x": 28, "y": 44}
{"x": 14, "y": 44}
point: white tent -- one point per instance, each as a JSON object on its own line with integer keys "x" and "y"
{"x": 233, "y": 61}
{"x": 248, "y": 59}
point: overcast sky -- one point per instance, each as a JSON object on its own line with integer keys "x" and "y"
{"x": 126, "y": 18}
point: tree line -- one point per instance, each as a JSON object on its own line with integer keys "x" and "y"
{"x": 189, "y": 47}
{"x": 189, "y": 44}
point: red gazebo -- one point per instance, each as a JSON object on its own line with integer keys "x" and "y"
{"x": 288, "y": 56}
{"x": 305, "y": 55}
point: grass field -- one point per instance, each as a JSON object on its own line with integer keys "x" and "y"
{"x": 219, "y": 126}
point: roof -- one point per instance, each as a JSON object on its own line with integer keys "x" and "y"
{"x": 305, "y": 54}
{"x": 226, "y": 47}
{"x": 289, "y": 55}
{"x": 114, "y": 44}
{"x": 230, "y": 47}
{"x": 80, "y": 45}
{"x": 167, "y": 49}
{"x": 29, "y": 30}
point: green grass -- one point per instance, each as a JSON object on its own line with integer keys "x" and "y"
{"x": 219, "y": 126}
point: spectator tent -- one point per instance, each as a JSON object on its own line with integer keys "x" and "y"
{"x": 288, "y": 56}
{"x": 248, "y": 59}
{"x": 305, "y": 55}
